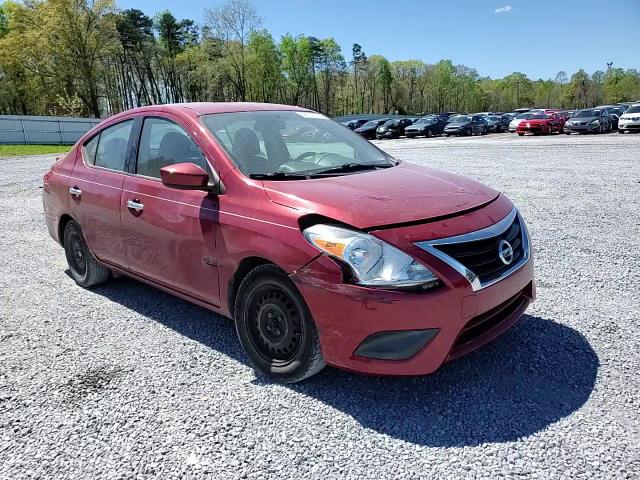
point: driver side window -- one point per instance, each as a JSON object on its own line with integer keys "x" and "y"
{"x": 165, "y": 143}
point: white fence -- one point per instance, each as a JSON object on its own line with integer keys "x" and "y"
{"x": 18, "y": 129}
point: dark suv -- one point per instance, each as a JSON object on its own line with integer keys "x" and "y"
{"x": 428, "y": 126}
{"x": 466, "y": 125}
{"x": 393, "y": 128}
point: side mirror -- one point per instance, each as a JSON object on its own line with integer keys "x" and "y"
{"x": 185, "y": 176}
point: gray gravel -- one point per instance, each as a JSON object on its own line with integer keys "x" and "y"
{"x": 127, "y": 382}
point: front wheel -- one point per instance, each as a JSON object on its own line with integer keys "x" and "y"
{"x": 429, "y": 134}
{"x": 275, "y": 327}
{"x": 84, "y": 268}
{"x": 621, "y": 131}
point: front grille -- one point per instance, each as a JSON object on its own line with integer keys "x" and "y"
{"x": 481, "y": 324}
{"x": 481, "y": 256}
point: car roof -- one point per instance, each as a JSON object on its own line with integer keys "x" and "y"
{"x": 205, "y": 108}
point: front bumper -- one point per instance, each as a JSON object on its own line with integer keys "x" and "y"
{"x": 581, "y": 128}
{"x": 348, "y": 315}
{"x": 387, "y": 134}
{"x": 534, "y": 129}
{"x": 629, "y": 125}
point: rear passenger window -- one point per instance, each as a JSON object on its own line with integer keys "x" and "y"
{"x": 164, "y": 143}
{"x": 89, "y": 150}
{"x": 112, "y": 146}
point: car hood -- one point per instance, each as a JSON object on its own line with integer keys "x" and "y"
{"x": 420, "y": 126}
{"x": 583, "y": 119}
{"x": 365, "y": 129}
{"x": 537, "y": 120}
{"x": 457, "y": 125}
{"x": 397, "y": 195}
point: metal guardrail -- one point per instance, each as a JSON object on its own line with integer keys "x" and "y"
{"x": 27, "y": 130}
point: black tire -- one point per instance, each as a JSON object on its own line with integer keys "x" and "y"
{"x": 550, "y": 131}
{"x": 429, "y": 133}
{"x": 84, "y": 268}
{"x": 520, "y": 134}
{"x": 621, "y": 131}
{"x": 275, "y": 327}
{"x": 468, "y": 132}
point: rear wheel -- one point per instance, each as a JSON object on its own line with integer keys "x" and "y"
{"x": 84, "y": 268}
{"x": 550, "y": 130}
{"x": 275, "y": 327}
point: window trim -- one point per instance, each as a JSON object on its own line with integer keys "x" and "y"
{"x": 124, "y": 171}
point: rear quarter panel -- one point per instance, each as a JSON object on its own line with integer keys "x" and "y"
{"x": 55, "y": 192}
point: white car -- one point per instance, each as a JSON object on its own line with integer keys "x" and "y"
{"x": 513, "y": 124}
{"x": 630, "y": 120}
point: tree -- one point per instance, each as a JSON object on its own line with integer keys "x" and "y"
{"x": 263, "y": 66}
{"x": 233, "y": 23}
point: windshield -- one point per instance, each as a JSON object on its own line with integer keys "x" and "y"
{"x": 425, "y": 120}
{"x": 524, "y": 116}
{"x": 588, "y": 113}
{"x": 539, "y": 116}
{"x": 634, "y": 109}
{"x": 461, "y": 119}
{"x": 294, "y": 142}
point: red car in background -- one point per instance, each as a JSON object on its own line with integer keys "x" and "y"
{"x": 324, "y": 250}
{"x": 542, "y": 124}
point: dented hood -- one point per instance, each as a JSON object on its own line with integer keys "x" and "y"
{"x": 401, "y": 194}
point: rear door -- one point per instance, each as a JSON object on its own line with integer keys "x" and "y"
{"x": 170, "y": 234}
{"x": 96, "y": 188}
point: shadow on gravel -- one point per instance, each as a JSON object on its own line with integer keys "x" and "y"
{"x": 535, "y": 374}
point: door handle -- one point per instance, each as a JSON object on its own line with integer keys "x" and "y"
{"x": 75, "y": 191}
{"x": 135, "y": 205}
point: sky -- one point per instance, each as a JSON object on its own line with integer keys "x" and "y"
{"x": 538, "y": 38}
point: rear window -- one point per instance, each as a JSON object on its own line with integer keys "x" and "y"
{"x": 108, "y": 149}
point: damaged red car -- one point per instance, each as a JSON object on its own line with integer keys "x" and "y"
{"x": 542, "y": 124}
{"x": 323, "y": 249}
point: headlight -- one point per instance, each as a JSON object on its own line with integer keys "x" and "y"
{"x": 595, "y": 122}
{"x": 373, "y": 262}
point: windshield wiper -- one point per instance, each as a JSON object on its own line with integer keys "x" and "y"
{"x": 278, "y": 175}
{"x": 349, "y": 167}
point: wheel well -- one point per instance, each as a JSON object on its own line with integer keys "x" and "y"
{"x": 244, "y": 267}
{"x": 64, "y": 219}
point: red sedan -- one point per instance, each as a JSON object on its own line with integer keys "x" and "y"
{"x": 324, "y": 250}
{"x": 542, "y": 124}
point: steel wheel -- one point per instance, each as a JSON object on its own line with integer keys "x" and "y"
{"x": 77, "y": 253}
{"x": 275, "y": 330}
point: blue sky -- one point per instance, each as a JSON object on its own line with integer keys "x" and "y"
{"x": 536, "y": 37}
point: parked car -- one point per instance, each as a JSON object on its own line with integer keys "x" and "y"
{"x": 630, "y": 120}
{"x": 513, "y": 124}
{"x": 353, "y": 124}
{"x": 466, "y": 125}
{"x": 329, "y": 253}
{"x": 521, "y": 110}
{"x": 497, "y": 124}
{"x": 590, "y": 120}
{"x": 368, "y": 130}
{"x": 541, "y": 124}
{"x": 393, "y": 128}
{"x": 614, "y": 112}
{"x": 426, "y": 126}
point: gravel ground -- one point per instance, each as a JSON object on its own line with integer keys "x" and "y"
{"x": 125, "y": 381}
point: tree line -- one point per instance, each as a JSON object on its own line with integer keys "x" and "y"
{"x": 89, "y": 58}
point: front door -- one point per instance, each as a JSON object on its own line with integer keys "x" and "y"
{"x": 170, "y": 235}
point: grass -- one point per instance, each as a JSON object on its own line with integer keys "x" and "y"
{"x": 13, "y": 150}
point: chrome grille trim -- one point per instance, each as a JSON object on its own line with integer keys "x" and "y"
{"x": 486, "y": 233}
